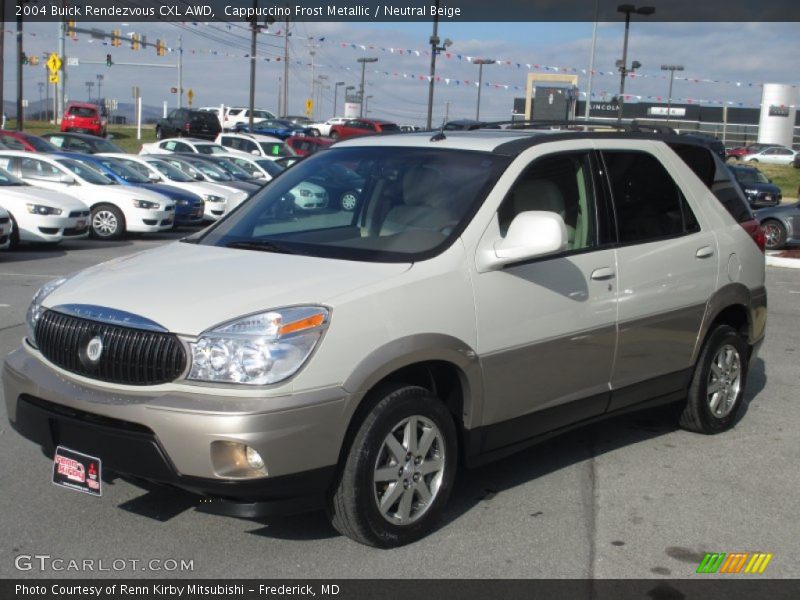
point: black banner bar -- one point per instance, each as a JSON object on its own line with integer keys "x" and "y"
{"x": 402, "y": 11}
{"x": 736, "y": 587}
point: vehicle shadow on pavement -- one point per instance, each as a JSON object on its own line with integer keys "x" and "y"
{"x": 475, "y": 486}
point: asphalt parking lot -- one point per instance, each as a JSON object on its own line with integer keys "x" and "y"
{"x": 632, "y": 497}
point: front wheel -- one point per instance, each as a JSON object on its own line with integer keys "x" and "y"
{"x": 108, "y": 223}
{"x": 717, "y": 387}
{"x": 334, "y": 135}
{"x": 774, "y": 234}
{"x": 349, "y": 200}
{"x": 399, "y": 471}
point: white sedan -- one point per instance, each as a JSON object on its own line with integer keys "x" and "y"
{"x": 188, "y": 145}
{"x": 115, "y": 208}
{"x": 40, "y": 215}
{"x": 217, "y": 197}
{"x": 324, "y": 128}
{"x": 775, "y": 155}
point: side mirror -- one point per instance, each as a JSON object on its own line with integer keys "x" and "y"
{"x": 259, "y": 175}
{"x": 530, "y": 235}
{"x": 66, "y": 179}
{"x": 255, "y": 153}
{"x": 154, "y": 178}
{"x": 198, "y": 176}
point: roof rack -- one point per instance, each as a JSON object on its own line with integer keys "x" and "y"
{"x": 580, "y": 125}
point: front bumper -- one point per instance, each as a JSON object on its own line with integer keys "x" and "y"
{"x": 166, "y": 437}
{"x": 150, "y": 221}
{"x": 56, "y": 228}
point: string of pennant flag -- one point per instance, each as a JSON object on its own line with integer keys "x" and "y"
{"x": 409, "y": 52}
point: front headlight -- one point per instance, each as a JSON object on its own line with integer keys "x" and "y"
{"x": 35, "y": 310}
{"x": 146, "y": 204}
{"x": 40, "y": 209}
{"x": 751, "y": 192}
{"x": 182, "y": 202}
{"x": 258, "y": 349}
{"x": 213, "y": 198}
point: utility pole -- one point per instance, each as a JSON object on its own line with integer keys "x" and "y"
{"x": 335, "y": 93}
{"x": 363, "y": 61}
{"x": 671, "y": 69}
{"x": 280, "y": 96}
{"x": 286, "y": 69}
{"x": 61, "y": 95}
{"x": 2, "y": 56}
{"x": 253, "y": 33}
{"x": 20, "y": 116}
{"x": 435, "y": 49}
{"x": 591, "y": 61}
{"x": 99, "y": 85}
{"x": 180, "y": 72}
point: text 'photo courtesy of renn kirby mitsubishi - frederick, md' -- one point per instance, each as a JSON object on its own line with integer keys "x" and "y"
{"x": 353, "y": 300}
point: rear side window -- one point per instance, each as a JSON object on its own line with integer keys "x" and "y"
{"x": 82, "y": 111}
{"x": 648, "y": 203}
{"x": 713, "y": 172}
{"x": 11, "y": 143}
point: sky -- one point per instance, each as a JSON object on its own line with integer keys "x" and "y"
{"x": 738, "y": 56}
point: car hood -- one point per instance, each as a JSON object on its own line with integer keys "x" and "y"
{"x": 43, "y": 196}
{"x": 188, "y": 288}
{"x": 171, "y": 192}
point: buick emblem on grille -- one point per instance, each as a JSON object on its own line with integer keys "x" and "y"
{"x": 94, "y": 349}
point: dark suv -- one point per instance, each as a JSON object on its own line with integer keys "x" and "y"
{"x": 186, "y": 122}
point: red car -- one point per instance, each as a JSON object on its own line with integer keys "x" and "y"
{"x": 15, "y": 140}
{"x": 355, "y": 127}
{"x": 304, "y": 145}
{"x": 84, "y": 118}
{"x": 742, "y": 151}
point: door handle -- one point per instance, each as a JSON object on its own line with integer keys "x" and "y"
{"x": 704, "y": 252}
{"x": 602, "y": 273}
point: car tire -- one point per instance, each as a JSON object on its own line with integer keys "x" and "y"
{"x": 14, "y": 238}
{"x": 774, "y": 234}
{"x": 382, "y": 482}
{"x": 334, "y": 135}
{"x": 349, "y": 200}
{"x": 159, "y": 134}
{"x": 717, "y": 388}
{"x": 108, "y": 222}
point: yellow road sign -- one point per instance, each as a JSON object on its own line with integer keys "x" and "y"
{"x": 55, "y": 78}
{"x": 190, "y": 95}
{"x": 309, "y": 106}
{"x": 54, "y": 63}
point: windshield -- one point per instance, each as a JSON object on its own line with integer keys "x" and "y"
{"x": 101, "y": 145}
{"x": 234, "y": 170}
{"x": 124, "y": 172}
{"x": 272, "y": 168}
{"x": 377, "y": 204}
{"x": 743, "y": 176}
{"x": 85, "y": 172}
{"x": 210, "y": 149}
{"x": 40, "y": 144}
{"x": 170, "y": 172}
{"x": 275, "y": 149}
{"x": 7, "y": 179}
{"x": 210, "y": 171}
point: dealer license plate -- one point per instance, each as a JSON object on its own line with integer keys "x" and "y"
{"x": 77, "y": 471}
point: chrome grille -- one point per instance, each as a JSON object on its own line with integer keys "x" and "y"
{"x": 130, "y": 356}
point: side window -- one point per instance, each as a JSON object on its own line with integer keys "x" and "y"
{"x": 228, "y": 142}
{"x": 648, "y": 203}
{"x": 562, "y": 184}
{"x": 248, "y": 146}
{"x": 37, "y": 169}
{"x": 173, "y": 115}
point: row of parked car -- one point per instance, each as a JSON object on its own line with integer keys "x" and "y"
{"x": 765, "y": 153}
{"x": 69, "y": 186}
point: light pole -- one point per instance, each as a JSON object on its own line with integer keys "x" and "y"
{"x": 366, "y": 105}
{"x": 89, "y": 86}
{"x": 671, "y": 69}
{"x": 100, "y": 78}
{"x": 335, "y": 94}
{"x": 363, "y": 61}
{"x": 623, "y": 64}
{"x": 435, "y": 49}
{"x": 480, "y": 62}
{"x": 41, "y": 89}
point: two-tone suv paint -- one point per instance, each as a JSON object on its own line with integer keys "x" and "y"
{"x": 488, "y": 289}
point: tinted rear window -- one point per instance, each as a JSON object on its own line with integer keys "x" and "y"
{"x": 389, "y": 127}
{"x": 713, "y": 172}
{"x": 204, "y": 117}
{"x": 83, "y": 111}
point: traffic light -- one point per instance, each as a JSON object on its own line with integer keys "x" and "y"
{"x": 71, "y": 30}
{"x": 161, "y": 48}
{"x": 109, "y": 62}
{"x": 135, "y": 42}
{"x": 115, "y": 41}
{"x": 23, "y": 58}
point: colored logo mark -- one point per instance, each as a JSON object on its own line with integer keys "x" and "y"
{"x": 735, "y": 562}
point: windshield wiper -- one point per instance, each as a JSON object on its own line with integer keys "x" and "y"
{"x": 260, "y": 245}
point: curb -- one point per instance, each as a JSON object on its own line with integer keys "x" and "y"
{"x": 779, "y": 261}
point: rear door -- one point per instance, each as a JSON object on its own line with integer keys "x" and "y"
{"x": 667, "y": 271}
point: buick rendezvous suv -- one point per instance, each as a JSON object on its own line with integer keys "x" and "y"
{"x": 488, "y": 289}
